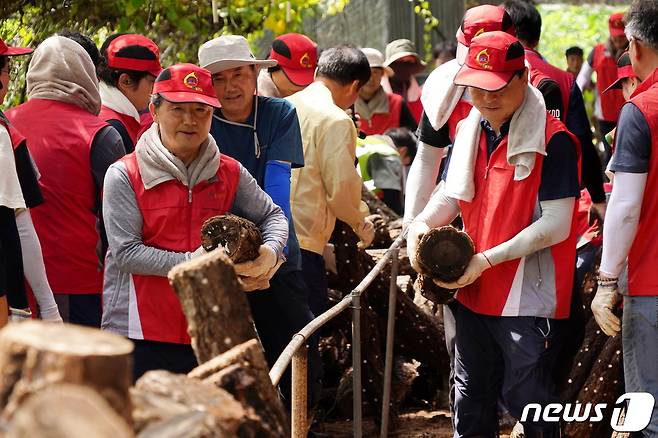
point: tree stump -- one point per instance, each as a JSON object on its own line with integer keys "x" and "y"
{"x": 243, "y": 372}
{"x": 239, "y": 237}
{"x": 67, "y": 411}
{"x": 35, "y": 355}
{"x": 171, "y": 405}
{"x": 217, "y": 311}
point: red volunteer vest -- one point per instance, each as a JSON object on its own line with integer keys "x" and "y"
{"x": 59, "y": 137}
{"x": 416, "y": 109}
{"x": 132, "y": 126}
{"x": 643, "y": 256}
{"x": 606, "y": 73}
{"x": 172, "y": 219}
{"x": 541, "y": 69}
{"x": 500, "y": 209}
{"x": 461, "y": 111}
{"x": 14, "y": 135}
{"x": 381, "y": 122}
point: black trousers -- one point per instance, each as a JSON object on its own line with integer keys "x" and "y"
{"x": 152, "y": 355}
{"x": 81, "y": 309}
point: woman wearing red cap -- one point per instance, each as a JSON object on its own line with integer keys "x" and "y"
{"x": 128, "y": 68}
{"x": 155, "y": 201}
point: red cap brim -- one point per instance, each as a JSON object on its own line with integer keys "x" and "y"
{"x": 184, "y": 97}
{"x": 300, "y": 77}
{"x": 482, "y": 79}
{"x": 14, "y": 51}
{"x": 616, "y": 85}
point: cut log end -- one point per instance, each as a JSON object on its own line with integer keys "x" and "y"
{"x": 444, "y": 253}
{"x": 240, "y": 238}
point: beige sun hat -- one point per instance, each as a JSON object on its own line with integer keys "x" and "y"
{"x": 229, "y": 51}
{"x": 376, "y": 59}
{"x": 399, "y": 49}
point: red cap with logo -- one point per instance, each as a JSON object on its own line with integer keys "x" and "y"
{"x": 485, "y": 18}
{"x": 624, "y": 71}
{"x": 6, "y": 50}
{"x": 297, "y": 55}
{"x": 134, "y": 52}
{"x": 186, "y": 83}
{"x": 492, "y": 60}
{"x": 616, "y": 24}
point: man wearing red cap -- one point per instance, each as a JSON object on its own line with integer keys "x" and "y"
{"x": 513, "y": 177}
{"x": 155, "y": 201}
{"x": 297, "y": 57}
{"x": 630, "y": 231}
{"x": 603, "y": 60}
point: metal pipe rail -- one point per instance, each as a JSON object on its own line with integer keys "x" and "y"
{"x": 295, "y": 353}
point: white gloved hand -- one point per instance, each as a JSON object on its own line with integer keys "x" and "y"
{"x": 19, "y": 315}
{"x": 365, "y": 232}
{"x": 197, "y": 253}
{"x": 51, "y": 314}
{"x": 604, "y": 302}
{"x": 265, "y": 265}
{"x": 416, "y": 231}
{"x": 250, "y": 284}
{"x": 474, "y": 270}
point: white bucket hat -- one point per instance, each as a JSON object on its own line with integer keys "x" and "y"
{"x": 376, "y": 59}
{"x": 229, "y": 51}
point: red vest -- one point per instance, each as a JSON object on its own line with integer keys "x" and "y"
{"x": 381, "y": 122}
{"x": 459, "y": 113}
{"x": 172, "y": 219}
{"x": 132, "y": 126}
{"x": 643, "y": 256}
{"x": 540, "y": 69}
{"x": 500, "y": 209}
{"x": 606, "y": 73}
{"x": 15, "y": 136}
{"x": 416, "y": 109}
{"x": 59, "y": 137}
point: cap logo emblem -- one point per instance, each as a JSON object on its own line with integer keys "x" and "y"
{"x": 482, "y": 58}
{"x": 305, "y": 61}
{"x": 479, "y": 32}
{"x": 192, "y": 82}
{"x": 617, "y": 24}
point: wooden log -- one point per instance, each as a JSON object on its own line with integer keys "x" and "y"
{"x": 443, "y": 253}
{"x": 35, "y": 355}
{"x": 426, "y": 287}
{"x": 240, "y": 238}
{"x": 217, "y": 311}
{"x": 171, "y": 405}
{"x": 243, "y": 372}
{"x": 67, "y": 411}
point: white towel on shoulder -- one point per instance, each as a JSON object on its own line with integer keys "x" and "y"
{"x": 440, "y": 95}
{"x": 526, "y": 138}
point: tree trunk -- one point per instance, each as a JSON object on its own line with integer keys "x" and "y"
{"x": 240, "y": 238}
{"x": 217, "y": 311}
{"x": 35, "y": 355}
{"x": 67, "y": 411}
{"x": 243, "y": 372}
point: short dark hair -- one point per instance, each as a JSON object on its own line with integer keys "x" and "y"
{"x": 443, "y": 47}
{"x": 526, "y": 19}
{"x": 574, "y": 51}
{"x": 403, "y": 137}
{"x": 157, "y": 99}
{"x": 85, "y": 42}
{"x": 344, "y": 64}
{"x": 642, "y": 22}
{"x": 111, "y": 75}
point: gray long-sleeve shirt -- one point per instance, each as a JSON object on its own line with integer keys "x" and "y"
{"x": 127, "y": 253}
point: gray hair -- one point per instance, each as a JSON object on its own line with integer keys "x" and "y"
{"x": 642, "y": 22}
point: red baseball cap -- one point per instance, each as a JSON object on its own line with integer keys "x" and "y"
{"x": 6, "y": 50}
{"x": 624, "y": 70}
{"x": 186, "y": 83}
{"x": 492, "y": 60}
{"x": 297, "y": 55}
{"x": 134, "y": 52}
{"x": 478, "y": 20}
{"x": 616, "y": 24}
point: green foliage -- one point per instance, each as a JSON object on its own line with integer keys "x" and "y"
{"x": 430, "y": 22}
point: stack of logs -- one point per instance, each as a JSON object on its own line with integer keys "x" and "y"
{"x": 58, "y": 381}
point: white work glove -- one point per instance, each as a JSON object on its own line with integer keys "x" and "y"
{"x": 19, "y": 315}
{"x": 250, "y": 284}
{"x": 197, "y": 253}
{"x": 256, "y": 273}
{"x": 51, "y": 314}
{"x": 366, "y": 232}
{"x": 474, "y": 270}
{"x": 416, "y": 231}
{"x": 604, "y": 302}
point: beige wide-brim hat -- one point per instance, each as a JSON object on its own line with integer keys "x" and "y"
{"x": 376, "y": 59}
{"x": 227, "y": 52}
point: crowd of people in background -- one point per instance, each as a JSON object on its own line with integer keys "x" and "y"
{"x": 110, "y": 167}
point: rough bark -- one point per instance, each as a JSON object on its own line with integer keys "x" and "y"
{"x": 239, "y": 237}
{"x": 171, "y": 405}
{"x": 35, "y": 355}
{"x": 217, "y": 311}
{"x": 443, "y": 253}
{"x": 426, "y": 287}
{"x": 243, "y": 372}
{"x": 80, "y": 412}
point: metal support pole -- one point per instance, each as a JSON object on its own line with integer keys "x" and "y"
{"x": 390, "y": 333}
{"x": 299, "y": 427}
{"x": 356, "y": 363}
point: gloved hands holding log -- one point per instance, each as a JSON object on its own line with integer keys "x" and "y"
{"x": 416, "y": 231}
{"x": 256, "y": 274}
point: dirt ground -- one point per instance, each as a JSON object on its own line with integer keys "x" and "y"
{"x": 419, "y": 424}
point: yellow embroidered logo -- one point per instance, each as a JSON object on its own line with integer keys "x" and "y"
{"x": 482, "y": 58}
{"x": 305, "y": 61}
{"x": 479, "y": 32}
{"x": 191, "y": 81}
